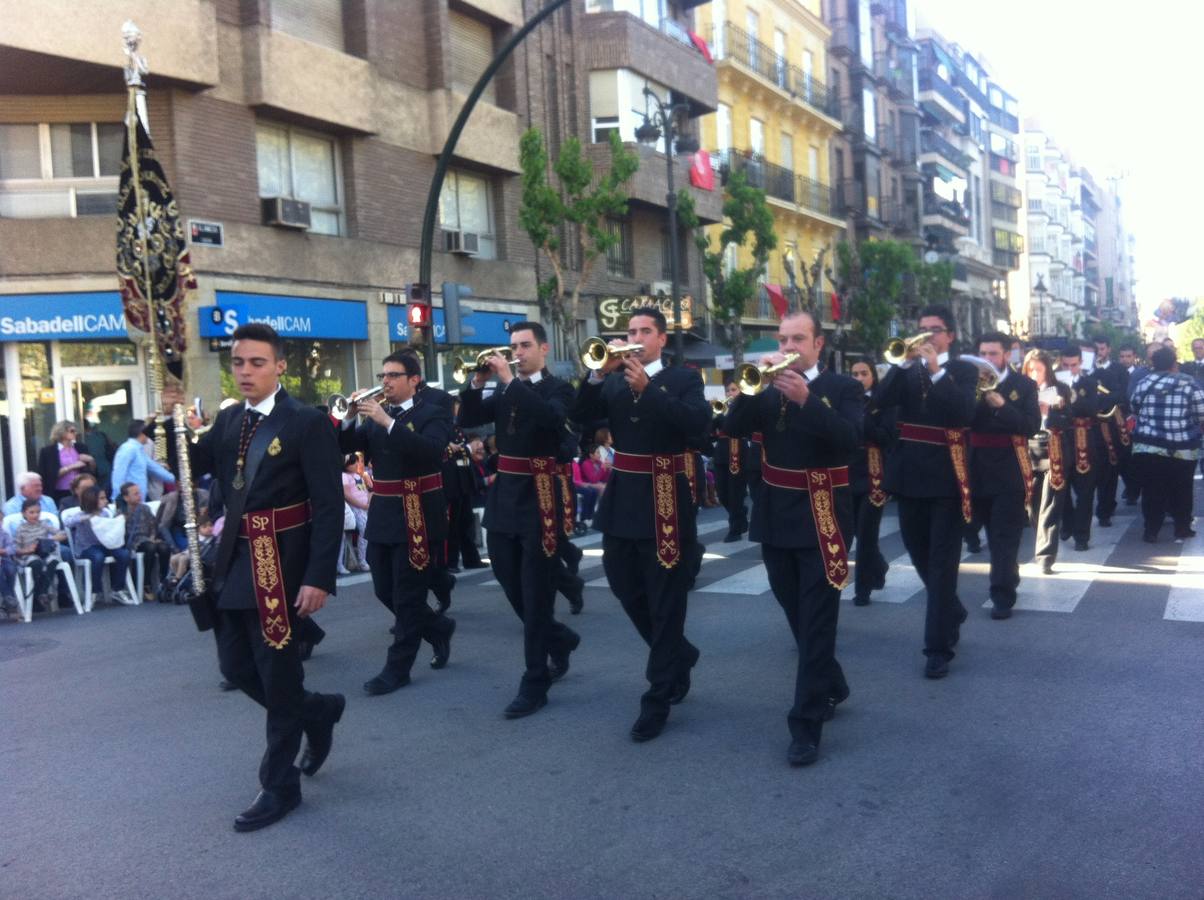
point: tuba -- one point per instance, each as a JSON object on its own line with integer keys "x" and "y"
{"x": 463, "y": 369}
{"x": 899, "y": 350}
{"x": 754, "y": 379}
{"x": 988, "y": 375}
{"x": 595, "y": 352}
{"x": 339, "y": 405}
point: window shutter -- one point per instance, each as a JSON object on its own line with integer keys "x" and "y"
{"x": 317, "y": 21}
{"x": 471, "y": 52}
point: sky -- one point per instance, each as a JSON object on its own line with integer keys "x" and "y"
{"x": 1118, "y": 86}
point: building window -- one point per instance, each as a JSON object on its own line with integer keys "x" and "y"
{"x": 317, "y": 21}
{"x": 59, "y": 170}
{"x": 723, "y": 127}
{"x": 471, "y": 53}
{"x": 869, "y": 113}
{"x": 865, "y": 28}
{"x": 616, "y": 102}
{"x": 619, "y": 257}
{"x": 302, "y": 165}
{"x": 756, "y": 136}
{"x": 603, "y": 126}
{"x": 465, "y": 205}
{"x": 752, "y": 24}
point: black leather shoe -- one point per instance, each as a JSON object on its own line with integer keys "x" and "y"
{"x": 1080, "y": 546}
{"x": 442, "y": 646}
{"x": 227, "y": 685}
{"x": 1105, "y": 522}
{"x": 320, "y": 739}
{"x": 521, "y": 706}
{"x": 576, "y": 596}
{"x": 1001, "y": 612}
{"x": 802, "y": 752}
{"x": 732, "y": 536}
{"x": 558, "y": 663}
{"x": 861, "y": 601}
{"x": 385, "y": 683}
{"x": 936, "y": 667}
{"x": 269, "y": 807}
{"x": 647, "y": 727}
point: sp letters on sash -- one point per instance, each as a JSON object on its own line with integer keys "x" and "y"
{"x": 956, "y": 439}
{"x": 1057, "y": 471}
{"x": 543, "y": 468}
{"x": 568, "y": 498}
{"x": 873, "y": 459}
{"x": 831, "y": 541}
{"x": 733, "y": 455}
{"x": 664, "y": 504}
{"x": 267, "y": 578}
{"x": 418, "y": 543}
{"x": 1082, "y": 457}
{"x": 1020, "y": 445}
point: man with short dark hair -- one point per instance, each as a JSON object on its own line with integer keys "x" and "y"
{"x": 929, "y": 473}
{"x": 276, "y": 463}
{"x": 1127, "y": 357}
{"x": 645, "y": 515}
{"x": 403, "y": 439}
{"x": 1001, "y": 474}
{"x": 1084, "y": 466}
{"x": 1166, "y": 444}
{"x": 524, "y": 511}
{"x": 131, "y": 463}
{"x": 1113, "y": 383}
{"x": 1195, "y": 366}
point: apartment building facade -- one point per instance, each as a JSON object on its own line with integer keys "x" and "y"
{"x": 341, "y": 105}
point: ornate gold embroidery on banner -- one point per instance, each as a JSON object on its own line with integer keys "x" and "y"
{"x": 664, "y": 498}
{"x": 419, "y": 546}
{"x": 1105, "y": 431}
{"x": 957, "y": 455}
{"x": 267, "y": 579}
{"x": 1020, "y": 445}
{"x": 873, "y": 459}
{"x": 1082, "y": 459}
{"x": 733, "y": 455}
{"x": 831, "y": 542}
{"x": 545, "y": 499}
{"x": 1057, "y": 474}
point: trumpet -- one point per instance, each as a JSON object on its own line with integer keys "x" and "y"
{"x": 595, "y": 352}
{"x": 988, "y": 375}
{"x": 463, "y": 369}
{"x": 753, "y": 379}
{"x": 1112, "y": 410}
{"x": 899, "y": 350}
{"x": 339, "y": 405}
{"x": 718, "y": 407}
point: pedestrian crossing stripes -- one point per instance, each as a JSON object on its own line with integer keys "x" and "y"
{"x": 1186, "y": 600}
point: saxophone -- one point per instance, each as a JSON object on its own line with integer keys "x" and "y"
{"x": 188, "y": 499}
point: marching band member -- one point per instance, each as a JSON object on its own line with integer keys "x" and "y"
{"x": 1001, "y": 475}
{"x": 646, "y": 515}
{"x": 811, "y": 423}
{"x": 866, "y": 474}
{"x": 1084, "y": 462}
{"x": 1050, "y": 450}
{"x": 731, "y": 472}
{"x": 403, "y": 440}
{"x": 1114, "y": 388}
{"x": 524, "y": 513}
{"x": 929, "y": 473}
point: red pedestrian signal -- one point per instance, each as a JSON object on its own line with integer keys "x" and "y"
{"x": 418, "y": 315}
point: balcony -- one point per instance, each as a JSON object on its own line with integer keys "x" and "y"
{"x": 932, "y": 143}
{"x": 888, "y": 140}
{"x": 776, "y": 181}
{"x": 946, "y": 102}
{"x": 946, "y": 213}
{"x": 649, "y": 186}
{"x": 895, "y": 75}
{"x": 846, "y": 41}
{"x": 1005, "y": 260}
{"x": 900, "y": 216}
{"x": 905, "y": 153}
{"x": 732, "y": 43}
{"x": 1004, "y": 120}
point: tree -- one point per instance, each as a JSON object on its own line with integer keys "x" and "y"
{"x": 577, "y": 205}
{"x": 747, "y": 219}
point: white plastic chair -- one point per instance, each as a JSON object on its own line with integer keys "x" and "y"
{"x": 23, "y": 583}
{"x": 83, "y": 569}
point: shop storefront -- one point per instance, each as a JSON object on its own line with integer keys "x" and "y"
{"x": 490, "y": 329}
{"x": 320, "y": 337}
{"x": 65, "y": 356}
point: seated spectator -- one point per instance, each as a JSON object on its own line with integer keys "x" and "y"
{"x": 180, "y": 561}
{"x": 131, "y": 463}
{"x": 62, "y": 459}
{"x": 143, "y": 535}
{"x": 604, "y": 440}
{"x": 37, "y": 548}
{"x": 481, "y": 479}
{"x": 8, "y": 574}
{"x": 78, "y": 483}
{"x": 29, "y": 487}
{"x": 89, "y": 546}
{"x": 589, "y": 480}
{"x": 357, "y": 495}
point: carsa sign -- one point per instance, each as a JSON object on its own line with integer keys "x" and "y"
{"x": 492, "y": 328}
{"x": 83, "y": 316}
{"x": 292, "y": 317}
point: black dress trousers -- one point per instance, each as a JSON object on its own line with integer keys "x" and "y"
{"x": 393, "y": 577}
{"x": 932, "y": 531}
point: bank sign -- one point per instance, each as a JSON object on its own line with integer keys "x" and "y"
{"x": 292, "y": 317}
{"x": 82, "y": 316}
{"x": 491, "y": 329}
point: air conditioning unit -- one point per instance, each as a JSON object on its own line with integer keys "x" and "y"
{"x": 657, "y": 288}
{"x": 285, "y": 213}
{"x": 462, "y": 243}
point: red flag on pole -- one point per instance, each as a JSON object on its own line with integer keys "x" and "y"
{"x": 777, "y": 298}
{"x": 701, "y": 173}
{"x": 834, "y": 302}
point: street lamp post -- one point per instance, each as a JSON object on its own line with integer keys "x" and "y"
{"x": 657, "y": 121}
{"x": 1040, "y": 290}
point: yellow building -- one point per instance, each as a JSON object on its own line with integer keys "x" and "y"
{"x": 775, "y": 120}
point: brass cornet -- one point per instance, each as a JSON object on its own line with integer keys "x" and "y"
{"x": 718, "y": 407}
{"x": 595, "y": 352}
{"x": 899, "y": 350}
{"x": 753, "y": 379}
{"x": 463, "y": 369}
{"x": 988, "y": 375}
{"x": 339, "y": 405}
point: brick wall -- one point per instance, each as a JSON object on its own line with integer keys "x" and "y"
{"x": 214, "y": 154}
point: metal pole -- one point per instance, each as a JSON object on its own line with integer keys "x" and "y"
{"x": 679, "y": 339}
{"x": 449, "y": 146}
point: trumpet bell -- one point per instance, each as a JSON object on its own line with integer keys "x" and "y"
{"x": 340, "y": 405}
{"x": 718, "y": 407}
{"x": 752, "y": 379}
{"x": 595, "y": 352}
{"x": 988, "y": 375}
{"x": 463, "y": 369}
{"x": 898, "y": 349}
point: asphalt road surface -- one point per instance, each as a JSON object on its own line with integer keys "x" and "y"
{"x": 1061, "y": 758}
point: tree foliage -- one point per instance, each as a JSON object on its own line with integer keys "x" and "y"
{"x": 748, "y": 221}
{"x": 576, "y": 203}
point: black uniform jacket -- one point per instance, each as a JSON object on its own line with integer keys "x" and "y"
{"x": 996, "y": 470}
{"x": 1085, "y": 403}
{"x": 666, "y": 415}
{"x": 295, "y": 458}
{"x": 822, "y": 433}
{"x": 877, "y": 429}
{"x": 722, "y": 455}
{"x": 915, "y": 469}
{"x": 529, "y": 421}
{"x": 413, "y": 447}
{"x": 1115, "y": 378}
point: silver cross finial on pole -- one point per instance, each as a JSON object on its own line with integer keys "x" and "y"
{"x": 135, "y": 66}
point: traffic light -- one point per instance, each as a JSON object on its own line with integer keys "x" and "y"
{"x": 454, "y": 312}
{"x": 418, "y": 315}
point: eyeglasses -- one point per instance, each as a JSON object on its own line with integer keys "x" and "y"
{"x": 389, "y": 376}
{"x": 937, "y": 330}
